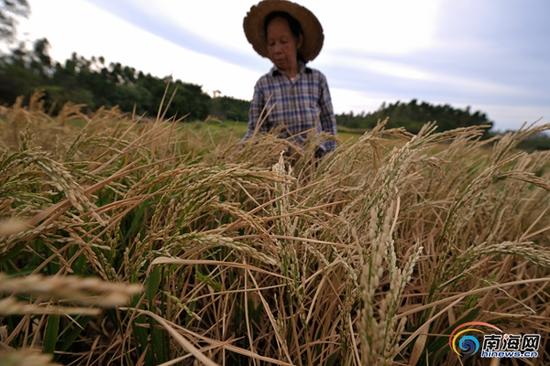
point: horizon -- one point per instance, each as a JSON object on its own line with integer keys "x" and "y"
{"x": 490, "y": 56}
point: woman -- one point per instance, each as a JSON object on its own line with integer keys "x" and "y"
{"x": 291, "y": 97}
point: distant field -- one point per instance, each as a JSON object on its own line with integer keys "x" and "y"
{"x": 216, "y": 130}
{"x": 236, "y": 130}
{"x": 125, "y": 243}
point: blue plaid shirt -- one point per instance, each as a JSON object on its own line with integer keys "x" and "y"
{"x": 297, "y": 106}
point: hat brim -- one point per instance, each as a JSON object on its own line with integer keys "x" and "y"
{"x": 253, "y": 25}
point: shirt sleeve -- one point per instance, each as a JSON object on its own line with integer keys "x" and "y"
{"x": 256, "y": 107}
{"x": 327, "y": 118}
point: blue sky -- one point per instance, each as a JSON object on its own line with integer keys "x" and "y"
{"x": 493, "y": 55}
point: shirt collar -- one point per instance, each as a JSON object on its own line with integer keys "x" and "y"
{"x": 302, "y": 68}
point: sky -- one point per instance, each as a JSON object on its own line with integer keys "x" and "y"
{"x": 491, "y": 55}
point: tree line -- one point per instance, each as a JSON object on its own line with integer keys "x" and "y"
{"x": 94, "y": 83}
{"x": 413, "y": 115}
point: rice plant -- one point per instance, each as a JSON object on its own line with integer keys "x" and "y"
{"x": 133, "y": 242}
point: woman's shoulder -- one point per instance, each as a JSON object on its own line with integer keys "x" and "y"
{"x": 270, "y": 80}
{"x": 316, "y": 73}
{"x": 267, "y": 76}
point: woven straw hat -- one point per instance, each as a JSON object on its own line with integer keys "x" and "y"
{"x": 253, "y": 25}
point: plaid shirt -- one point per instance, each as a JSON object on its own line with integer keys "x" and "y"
{"x": 296, "y": 106}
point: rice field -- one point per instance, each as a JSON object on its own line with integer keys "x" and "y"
{"x": 124, "y": 242}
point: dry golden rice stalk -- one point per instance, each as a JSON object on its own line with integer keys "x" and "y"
{"x": 198, "y": 239}
{"x": 26, "y": 357}
{"x": 528, "y": 177}
{"x": 534, "y": 254}
{"x": 58, "y": 175}
{"x": 89, "y": 291}
{"x": 11, "y": 306}
{"x": 12, "y": 225}
{"x": 181, "y": 340}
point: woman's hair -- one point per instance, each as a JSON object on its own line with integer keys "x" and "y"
{"x": 295, "y": 26}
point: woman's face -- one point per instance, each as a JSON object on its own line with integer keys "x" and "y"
{"x": 282, "y": 45}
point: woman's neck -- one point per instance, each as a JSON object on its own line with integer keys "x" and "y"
{"x": 292, "y": 72}
{"x": 291, "y": 75}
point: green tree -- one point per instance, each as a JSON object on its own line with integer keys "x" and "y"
{"x": 24, "y": 70}
{"x": 10, "y": 10}
{"x": 413, "y": 115}
{"x": 228, "y": 108}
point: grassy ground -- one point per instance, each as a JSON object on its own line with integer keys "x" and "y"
{"x": 239, "y": 256}
{"x": 216, "y": 130}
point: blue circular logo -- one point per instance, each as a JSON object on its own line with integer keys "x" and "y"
{"x": 468, "y": 344}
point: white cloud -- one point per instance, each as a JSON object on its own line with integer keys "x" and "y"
{"x": 218, "y": 21}
{"x": 386, "y": 27}
{"x": 394, "y": 69}
{"x": 411, "y": 72}
{"x": 512, "y": 117}
{"x": 345, "y": 100}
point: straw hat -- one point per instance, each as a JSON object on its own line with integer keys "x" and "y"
{"x": 253, "y": 25}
